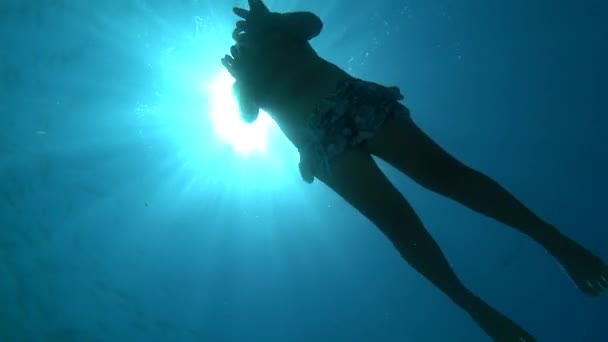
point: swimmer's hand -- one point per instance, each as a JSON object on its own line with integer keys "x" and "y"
{"x": 233, "y": 63}
{"x": 243, "y": 63}
{"x": 244, "y": 87}
{"x": 260, "y": 22}
{"x": 259, "y": 19}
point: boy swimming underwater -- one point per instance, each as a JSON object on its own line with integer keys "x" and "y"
{"x": 338, "y": 122}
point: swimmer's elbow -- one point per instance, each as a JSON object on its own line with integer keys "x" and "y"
{"x": 248, "y": 110}
{"x": 250, "y": 115}
{"x": 303, "y": 25}
{"x": 247, "y": 106}
{"x": 311, "y": 25}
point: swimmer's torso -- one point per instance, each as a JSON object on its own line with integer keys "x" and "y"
{"x": 295, "y": 80}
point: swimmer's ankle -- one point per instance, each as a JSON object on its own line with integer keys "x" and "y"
{"x": 555, "y": 242}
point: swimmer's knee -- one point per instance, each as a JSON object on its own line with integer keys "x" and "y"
{"x": 446, "y": 177}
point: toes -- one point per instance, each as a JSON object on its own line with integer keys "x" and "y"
{"x": 588, "y": 271}
{"x": 526, "y": 338}
{"x": 604, "y": 281}
{"x": 598, "y": 286}
{"x": 590, "y": 289}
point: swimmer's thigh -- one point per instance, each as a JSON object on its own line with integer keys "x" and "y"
{"x": 355, "y": 176}
{"x": 401, "y": 143}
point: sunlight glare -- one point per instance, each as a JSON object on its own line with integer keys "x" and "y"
{"x": 244, "y": 138}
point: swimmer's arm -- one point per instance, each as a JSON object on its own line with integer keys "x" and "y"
{"x": 300, "y": 25}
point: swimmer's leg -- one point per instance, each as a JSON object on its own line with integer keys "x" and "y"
{"x": 402, "y": 144}
{"x": 356, "y": 177}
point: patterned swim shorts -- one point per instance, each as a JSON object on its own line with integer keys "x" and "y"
{"x": 348, "y": 117}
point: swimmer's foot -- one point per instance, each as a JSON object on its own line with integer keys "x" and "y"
{"x": 499, "y": 327}
{"x": 587, "y": 270}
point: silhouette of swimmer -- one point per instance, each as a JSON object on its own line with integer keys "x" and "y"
{"x": 338, "y": 122}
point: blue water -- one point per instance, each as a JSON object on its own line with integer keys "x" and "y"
{"x": 124, "y": 217}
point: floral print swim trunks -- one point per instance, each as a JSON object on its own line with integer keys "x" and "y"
{"x": 350, "y": 116}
